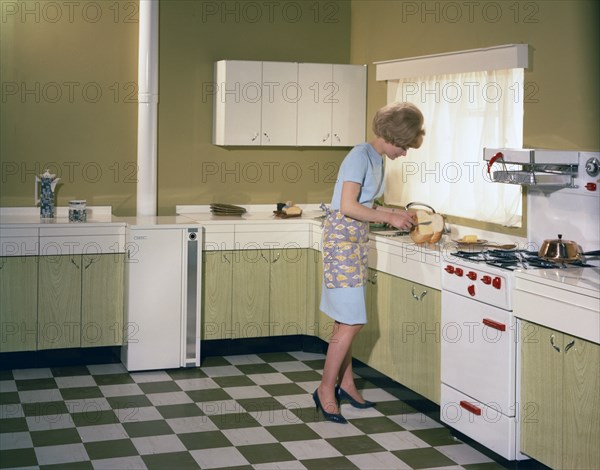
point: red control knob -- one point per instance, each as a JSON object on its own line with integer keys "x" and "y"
{"x": 486, "y": 280}
{"x": 497, "y": 282}
{"x": 472, "y": 275}
{"x": 458, "y": 272}
{"x": 449, "y": 269}
{"x": 591, "y": 186}
{"x": 471, "y": 290}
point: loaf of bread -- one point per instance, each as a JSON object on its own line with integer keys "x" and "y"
{"x": 293, "y": 210}
{"x": 430, "y": 233}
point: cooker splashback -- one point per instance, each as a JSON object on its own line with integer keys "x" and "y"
{"x": 572, "y": 212}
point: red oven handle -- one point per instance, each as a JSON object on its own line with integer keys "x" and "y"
{"x": 470, "y": 408}
{"x": 496, "y": 156}
{"x": 494, "y": 324}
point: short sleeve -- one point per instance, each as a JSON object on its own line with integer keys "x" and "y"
{"x": 354, "y": 167}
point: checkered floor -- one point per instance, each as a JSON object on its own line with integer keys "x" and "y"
{"x": 246, "y": 411}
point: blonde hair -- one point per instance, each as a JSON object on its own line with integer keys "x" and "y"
{"x": 400, "y": 124}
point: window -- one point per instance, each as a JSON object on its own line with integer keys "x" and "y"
{"x": 464, "y": 111}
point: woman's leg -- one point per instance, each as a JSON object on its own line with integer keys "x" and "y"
{"x": 338, "y": 356}
{"x": 346, "y": 378}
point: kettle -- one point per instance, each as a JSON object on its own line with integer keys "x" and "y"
{"x": 47, "y": 183}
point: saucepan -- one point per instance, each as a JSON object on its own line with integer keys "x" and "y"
{"x": 563, "y": 251}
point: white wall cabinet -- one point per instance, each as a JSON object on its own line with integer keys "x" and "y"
{"x": 288, "y": 104}
{"x": 332, "y": 108}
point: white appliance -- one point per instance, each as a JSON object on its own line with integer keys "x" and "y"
{"x": 480, "y": 365}
{"x": 163, "y": 294}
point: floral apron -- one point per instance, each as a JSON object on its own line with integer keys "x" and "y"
{"x": 345, "y": 251}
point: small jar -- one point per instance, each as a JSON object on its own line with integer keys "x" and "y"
{"x": 77, "y": 211}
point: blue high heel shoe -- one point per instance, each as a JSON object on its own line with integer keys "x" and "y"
{"x": 333, "y": 417}
{"x": 341, "y": 394}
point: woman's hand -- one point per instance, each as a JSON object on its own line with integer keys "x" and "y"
{"x": 403, "y": 220}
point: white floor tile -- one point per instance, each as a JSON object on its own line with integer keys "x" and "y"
{"x": 15, "y": 440}
{"x": 378, "y": 461}
{"x": 191, "y": 424}
{"x": 275, "y": 417}
{"x": 307, "y": 356}
{"x": 291, "y": 465}
{"x": 269, "y": 379}
{"x": 122, "y": 463}
{"x": 248, "y": 436}
{"x": 291, "y": 366}
{"x": 399, "y": 440}
{"x": 8, "y": 386}
{"x": 75, "y": 381}
{"x": 222, "y": 457}
{"x": 221, "y": 371}
{"x": 296, "y": 401}
{"x": 413, "y": 421}
{"x": 49, "y": 455}
{"x": 463, "y": 454}
{"x": 26, "y": 374}
{"x": 102, "y": 432}
{"x": 311, "y": 449}
{"x": 196, "y": 384}
{"x": 328, "y": 430}
{"x": 121, "y": 390}
{"x": 169, "y": 398}
{"x": 49, "y": 422}
{"x": 158, "y": 444}
{"x": 212, "y": 408}
{"x": 40, "y": 396}
{"x": 244, "y": 359}
{"x": 137, "y": 414}
{"x": 251, "y": 391}
{"x": 11, "y": 410}
{"x": 90, "y": 406}
{"x": 150, "y": 376}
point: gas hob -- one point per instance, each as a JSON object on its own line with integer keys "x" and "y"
{"x": 515, "y": 259}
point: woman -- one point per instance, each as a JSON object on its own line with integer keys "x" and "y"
{"x": 397, "y": 127}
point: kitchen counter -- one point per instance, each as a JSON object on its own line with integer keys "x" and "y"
{"x": 566, "y": 300}
{"x": 15, "y": 217}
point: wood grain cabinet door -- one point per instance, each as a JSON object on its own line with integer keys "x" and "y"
{"x": 59, "y": 302}
{"x": 102, "y": 300}
{"x": 217, "y": 275}
{"x": 18, "y": 303}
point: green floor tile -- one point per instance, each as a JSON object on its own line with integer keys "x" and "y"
{"x": 69, "y": 466}
{"x": 210, "y": 394}
{"x": 265, "y": 453}
{"x": 69, "y": 371}
{"x": 376, "y": 425}
{"x": 80, "y": 393}
{"x": 174, "y": 460}
{"x": 8, "y": 398}
{"x": 394, "y": 407}
{"x": 179, "y": 374}
{"x": 427, "y": 457}
{"x": 13, "y": 425}
{"x": 277, "y": 357}
{"x": 159, "y": 387}
{"x": 113, "y": 379}
{"x": 524, "y": 465}
{"x": 233, "y": 381}
{"x": 350, "y": 445}
{"x": 94, "y": 417}
{"x": 292, "y": 432}
{"x": 278, "y": 390}
{"x": 234, "y": 420}
{"x": 260, "y": 404}
{"x": 214, "y": 361}
{"x": 307, "y": 415}
{"x": 12, "y": 458}
{"x": 303, "y": 376}
{"x": 204, "y": 440}
{"x": 147, "y": 428}
{"x": 110, "y": 449}
{"x": 316, "y": 364}
{"x": 129, "y": 401}
{"x": 250, "y": 369}
{"x": 55, "y": 437}
{"x": 35, "y": 384}
{"x": 6, "y": 374}
{"x": 45, "y": 408}
{"x": 179, "y": 411}
{"x": 436, "y": 436}
{"x": 331, "y": 463}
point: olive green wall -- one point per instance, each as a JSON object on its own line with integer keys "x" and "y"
{"x": 69, "y": 70}
{"x": 58, "y": 56}
{"x": 561, "y": 84}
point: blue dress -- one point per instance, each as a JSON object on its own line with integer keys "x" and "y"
{"x": 345, "y": 240}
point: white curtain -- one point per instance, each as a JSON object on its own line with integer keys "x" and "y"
{"x": 463, "y": 114}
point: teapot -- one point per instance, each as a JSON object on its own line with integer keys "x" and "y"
{"x": 46, "y": 197}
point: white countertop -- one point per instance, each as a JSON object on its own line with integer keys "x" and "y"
{"x": 584, "y": 281}
{"x": 17, "y": 217}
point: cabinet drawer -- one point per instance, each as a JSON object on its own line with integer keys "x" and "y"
{"x": 87, "y": 245}
{"x": 490, "y": 428}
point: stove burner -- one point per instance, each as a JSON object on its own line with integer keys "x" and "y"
{"x": 515, "y": 259}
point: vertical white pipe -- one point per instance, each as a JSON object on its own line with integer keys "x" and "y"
{"x": 147, "y": 108}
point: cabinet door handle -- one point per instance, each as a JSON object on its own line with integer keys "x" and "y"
{"x": 267, "y": 136}
{"x": 554, "y": 345}
{"x": 569, "y": 345}
{"x": 262, "y": 255}
{"x": 255, "y": 136}
{"x": 89, "y": 264}
{"x": 326, "y": 137}
{"x": 277, "y": 255}
{"x": 226, "y": 258}
{"x": 337, "y": 137}
{"x": 420, "y": 296}
{"x": 76, "y": 265}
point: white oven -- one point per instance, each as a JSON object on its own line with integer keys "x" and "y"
{"x": 480, "y": 365}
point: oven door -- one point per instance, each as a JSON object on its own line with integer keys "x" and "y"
{"x": 479, "y": 351}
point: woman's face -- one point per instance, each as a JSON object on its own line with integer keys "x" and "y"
{"x": 392, "y": 151}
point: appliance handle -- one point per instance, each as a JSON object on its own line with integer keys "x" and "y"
{"x": 496, "y": 156}
{"x": 494, "y": 324}
{"x": 470, "y": 407}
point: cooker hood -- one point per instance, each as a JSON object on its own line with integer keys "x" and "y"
{"x": 533, "y": 167}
